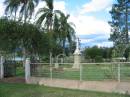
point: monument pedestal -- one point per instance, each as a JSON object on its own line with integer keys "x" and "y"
{"x": 76, "y": 61}
{"x": 56, "y": 65}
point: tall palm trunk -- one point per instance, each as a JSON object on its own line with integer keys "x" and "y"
{"x": 24, "y": 49}
{"x": 126, "y": 24}
{"x": 50, "y": 39}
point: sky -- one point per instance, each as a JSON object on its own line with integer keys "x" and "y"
{"x": 89, "y": 16}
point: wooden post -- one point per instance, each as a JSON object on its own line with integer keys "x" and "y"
{"x": 1, "y": 68}
{"x": 27, "y": 70}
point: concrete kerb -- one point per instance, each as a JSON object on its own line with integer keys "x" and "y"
{"x": 101, "y": 86}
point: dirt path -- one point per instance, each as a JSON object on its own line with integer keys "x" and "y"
{"x": 13, "y": 80}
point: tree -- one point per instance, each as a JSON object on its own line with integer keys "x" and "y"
{"x": 11, "y": 6}
{"x": 93, "y": 53}
{"x": 120, "y": 25}
{"x": 9, "y": 38}
{"x": 55, "y": 24}
{"x": 57, "y": 37}
{"x": 98, "y": 54}
{"x": 26, "y": 8}
{"x": 46, "y": 16}
{"x": 64, "y": 32}
{"x": 12, "y": 32}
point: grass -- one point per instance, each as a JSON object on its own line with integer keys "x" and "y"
{"x": 24, "y": 90}
{"x": 89, "y": 72}
{"x": 20, "y": 71}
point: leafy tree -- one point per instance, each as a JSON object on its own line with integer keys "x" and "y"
{"x": 16, "y": 35}
{"x": 8, "y": 37}
{"x": 93, "y": 52}
{"x": 120, "y": 26}
{"x": 98, "y": 54}
{"x": 37, "y": 39}
{"x": 26, "y": 10}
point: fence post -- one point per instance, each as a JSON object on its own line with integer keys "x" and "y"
{"x": 50, "y": 65}
{"x": 1, "y": 67}
{"x": 119, "y": 71}
{"x": 80, "y": 72}
{"x": 27, "y": 70}
{"x": 51, "y": 72}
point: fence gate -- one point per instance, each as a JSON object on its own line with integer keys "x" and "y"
{"x": 9, "y": 68}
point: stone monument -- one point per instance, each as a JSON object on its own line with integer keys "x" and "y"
{"x": 77, "y": 55}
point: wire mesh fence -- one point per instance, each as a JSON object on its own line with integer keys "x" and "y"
{"x": 115, "y": 71}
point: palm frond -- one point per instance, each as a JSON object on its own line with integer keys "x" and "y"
{"x": 41, "y": 19}
{"x": 49, "y": 4}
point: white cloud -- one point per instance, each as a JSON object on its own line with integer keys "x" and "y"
{"x": 40, "y": 5}
{"x": 96, "y": 5}
{"x": 2, "y": 9}
{"x": 86, "y": 25}
{"x": 129, "y": 32}
{"x": 60, "y": 5}
{"x": 105, "y": 44}
{"x": 86, "y": 40}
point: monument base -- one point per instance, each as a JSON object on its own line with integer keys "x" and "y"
{"x": 56, "y": 65}
{"x": 76, "y": 61}
{"x": 76, "y": 66}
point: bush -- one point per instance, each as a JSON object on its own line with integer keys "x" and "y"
{"x": 98, "y": 59}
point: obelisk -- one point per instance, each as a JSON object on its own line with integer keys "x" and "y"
{"x": 77, "y": 55}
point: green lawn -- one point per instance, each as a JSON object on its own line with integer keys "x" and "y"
{"x": 89, "y": 72}
{"x": 20, "y": 71}
{"x": 24, "y": 90}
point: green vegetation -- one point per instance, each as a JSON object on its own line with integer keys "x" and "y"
{"x": 97, "y": 54}
{"x": 38, "y": 38}
{"x": 120, "y": 28}
{"x": 23, "y": 90}
{"x": 20, "y": 72}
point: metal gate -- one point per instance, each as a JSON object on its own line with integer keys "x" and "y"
{"x": 9, "y": 68}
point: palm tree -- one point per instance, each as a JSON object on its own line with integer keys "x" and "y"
{"x": 46, "y": 14}
{"x": 56, "y": 24}
{"x": 26, "y": 7}
{"x": 64, "y": 30}
{"x": 47, "y": 18}
{"x": 11, "y": 6}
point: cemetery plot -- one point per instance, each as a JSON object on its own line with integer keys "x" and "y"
{"x": 88, "y": 71}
